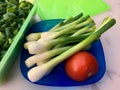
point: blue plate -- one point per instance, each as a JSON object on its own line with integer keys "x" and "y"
{"x": 58, "y": 77}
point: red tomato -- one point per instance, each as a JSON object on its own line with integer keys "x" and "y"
{"x": 81, "y": 66}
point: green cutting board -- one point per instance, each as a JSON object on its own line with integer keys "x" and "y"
{"x": 52, "y": 9}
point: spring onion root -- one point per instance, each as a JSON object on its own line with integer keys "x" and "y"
{"x": 33, "y": 37}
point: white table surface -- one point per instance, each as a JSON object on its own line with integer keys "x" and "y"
{"x": 110, "y": 41}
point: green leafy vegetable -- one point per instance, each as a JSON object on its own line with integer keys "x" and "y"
{"x": 12, "y": 15}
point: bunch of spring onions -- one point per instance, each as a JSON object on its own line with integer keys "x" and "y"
{"x": 50, "y": 48}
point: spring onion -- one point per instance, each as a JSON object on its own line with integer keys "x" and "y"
{"x": 38, "y": 47}
{"x": 44, "y": 56}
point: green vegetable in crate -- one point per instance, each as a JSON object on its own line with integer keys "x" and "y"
{"x": 12, "y": 15}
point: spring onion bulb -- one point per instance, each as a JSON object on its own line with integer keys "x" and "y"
{"x": 36, "y": 73}
{"x": 28, "y": 43}
{"x": 42, "y": 62}
{"x": 33, "y": 36}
